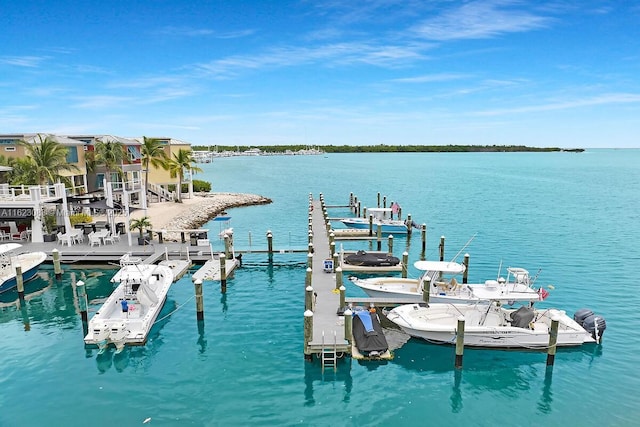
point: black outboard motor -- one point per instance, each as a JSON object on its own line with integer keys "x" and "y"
{"x": 593, "y": 324}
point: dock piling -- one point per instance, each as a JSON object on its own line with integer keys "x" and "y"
{"x": 390, "y": 244}
{"x": 553, "y": 340}
{"x": 199, "y": 300}
{"x": 81, "y": 292}
{"x": 459, "y": 342}
{"x": 308, "y": 333}
{"x": 308, "y": 298}
{"x": 57, "y": 269}
{"x": 379, "y": 237}
{"x": 423, "y": 235}
{"x": 342, "y": 295}
{"x": 20, "y": 282}
{"x": 441, "y": 247}
{"x": 465, "y": 274}
{"x": 339, "y": 279}
{"x": 348, "y": 325}
{"x": 223, "y": 273}
{"x": 270, "y": 243}
{"x": 405, "y": 267}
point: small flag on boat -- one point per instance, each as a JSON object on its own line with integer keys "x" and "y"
{"x": 543, "y": 293}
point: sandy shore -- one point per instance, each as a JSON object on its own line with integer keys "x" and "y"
{"x": 191, "y": 213}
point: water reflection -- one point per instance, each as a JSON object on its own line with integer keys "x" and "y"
{"x": 313, "y": 373}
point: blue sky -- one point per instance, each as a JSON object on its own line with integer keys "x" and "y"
{"x": 538, "y": 73}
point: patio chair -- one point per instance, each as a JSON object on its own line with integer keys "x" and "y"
{"x": 94, "y": 239}
{"x": 64, "y": 238}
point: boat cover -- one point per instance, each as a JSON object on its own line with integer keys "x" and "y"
{"x": 372, "y": 340}
{"x": 522, "y": 317}
{"x": 371, "y": 259}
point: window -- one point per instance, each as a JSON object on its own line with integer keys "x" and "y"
{"x": 133, "y": 153}
{"x": 99, "y": 180}
{"x": 72, "y": 154}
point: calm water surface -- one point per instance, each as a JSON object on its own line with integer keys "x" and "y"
{"x": 571, "y": 218}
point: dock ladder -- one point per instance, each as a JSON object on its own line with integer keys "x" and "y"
{"x": 329, "y": 353}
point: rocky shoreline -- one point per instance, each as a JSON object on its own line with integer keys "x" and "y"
{"x": 206, "y": 206}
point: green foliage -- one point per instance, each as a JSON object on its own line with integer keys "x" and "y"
{"x": 49, "y": 220}
{"x": 201, "y": 186}
{"x": 140, "y": 224}
{"x": 46, "y": 159}
{"x": 182, "y": 162}
{"x": 110, "y": 154}
{"x": 80, "y": 218}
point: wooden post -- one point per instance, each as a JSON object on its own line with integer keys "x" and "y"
{"x": 384, "y": 202}
{"x": 308, "y": 298}
{"x": 307, "y": 278}
{"x": 399, "y": 212}
{"x": 57, "y": 269}
{"x": 378, "y": 199}
{"x": 310, "y": 250}
{"x": 270, "y": 243}
{"x": 348, "y": 325}
{"x": 390, "y": 244}
{"x": 364, "y": 212}
{"x": 332, "y": 239}
{"x": 311, "y": 237}
{"x": 405, "y": 267}
{"x": 20, "y": 282}
{"x": 227, "y": 246}
{"x": 465, "y": 274}
{"x": 553, "y": 340}
{"x": 335, "y": 261}
{"x": 199, "y": 300}
{"x": 370, "y": 225}
{"x": 223, "y": 273}
{"x": 441, "y": 248}
{"x": 160, "y": 237}
{"x": 81, "y": 292}
{"x": 379, "y": 237}
{"x": 426, "y": 290}
{"x": 308, "y": 333}
{"x": 351, "y": 204}
{"x": 332, "y": 249}
{"x": 309, "y": 260}
{"x": 459, "y": 342}
{"x": 359, "y": 209}
{"x": 423, "y": 235}
{"x": 391, "y": 205}
{"x": 409, "y": 227}
{"x": 339, "y": 278}
{"x": 182, "y": 238}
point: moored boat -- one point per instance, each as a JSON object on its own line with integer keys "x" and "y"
{"x": 380, "y": 217}
{"x": 9, "y": 258}
{"x": 494, "y": 326}
{"x": 131, "y": 310}
{"x": 439, "y": 279}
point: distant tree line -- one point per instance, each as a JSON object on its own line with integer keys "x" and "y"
{"x": 383, "y": 148}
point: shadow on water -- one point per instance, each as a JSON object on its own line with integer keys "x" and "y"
{"x": 506, "y": 372}
{"x": 313, "y": 373}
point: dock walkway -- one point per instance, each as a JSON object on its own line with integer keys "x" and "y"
{"x": 326, "y": 321}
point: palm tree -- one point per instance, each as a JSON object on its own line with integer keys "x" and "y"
{"x": 182, "y": 162}
{"x": 153, "y": 154}
{"x": 47, "y": 159}
{"x": 110, "y": 154}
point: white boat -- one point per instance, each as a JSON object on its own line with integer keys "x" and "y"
{"x": 9, "y": 259}
{"x": 382, "y": 217}
{"x": 126, "y": 317}
{"x": 439, "y": 278}
{"x": 493, "y": 325}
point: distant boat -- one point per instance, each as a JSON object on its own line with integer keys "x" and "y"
{"x": 494, "y": 326}
{"x": 9, "y": 259}
{"x": 380, "y": 217}
{"x": 131, "y": 310}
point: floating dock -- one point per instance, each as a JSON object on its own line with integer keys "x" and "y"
{"x": 211, "y": 269}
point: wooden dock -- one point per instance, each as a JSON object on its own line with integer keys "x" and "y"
{"x": 328, "y": 326}
{"x": 211, "y": 269}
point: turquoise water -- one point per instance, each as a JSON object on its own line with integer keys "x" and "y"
{"x": 574, "y": 216}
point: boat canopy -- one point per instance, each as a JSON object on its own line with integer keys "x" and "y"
{"x": 448, "y": 267}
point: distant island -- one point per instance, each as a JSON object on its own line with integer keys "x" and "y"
{"x": 382, "y": 148}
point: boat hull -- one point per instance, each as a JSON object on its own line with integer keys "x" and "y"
{"x": 486, "y": 326}
{"x": 31, "y": 262}
{"x": 387, "y": 228}
{"x": 144, "y": 299}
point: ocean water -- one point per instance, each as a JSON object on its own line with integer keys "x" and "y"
{"x": 569, "y": 218}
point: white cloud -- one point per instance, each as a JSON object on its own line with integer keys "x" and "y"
{"x": 23, "y": 61}
{"x": 478, "y": 20}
